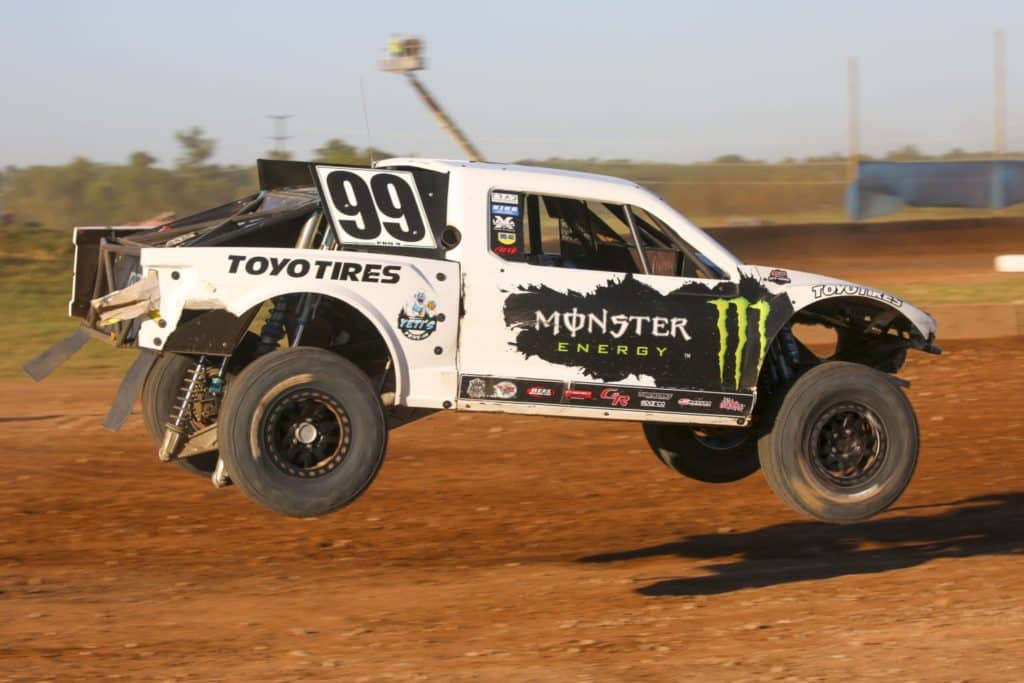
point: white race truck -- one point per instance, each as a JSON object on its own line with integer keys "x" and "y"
{"x": 283, "y": 335}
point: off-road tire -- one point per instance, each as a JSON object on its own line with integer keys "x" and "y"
{"x": 159, "y": 393}
{"x": 831, "y": 409}
{"x": 684, "y": 451}
{"x": 258, "y": 431}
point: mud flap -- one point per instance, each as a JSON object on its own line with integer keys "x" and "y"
{"x": 49, "y": 360}
{"x": 129, "y": 390}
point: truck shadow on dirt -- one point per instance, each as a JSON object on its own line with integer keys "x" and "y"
{"x": 805, "y": 551}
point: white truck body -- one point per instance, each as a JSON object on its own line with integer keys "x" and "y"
{"x": 469, "y": 358}
{"x": 284, "y": 334}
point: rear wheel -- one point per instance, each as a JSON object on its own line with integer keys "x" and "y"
{"x": 844, "y": 443}
{"x": 159, "y": 394}
{"x": 715, "y": 455}
{"x": 302, "y": 431}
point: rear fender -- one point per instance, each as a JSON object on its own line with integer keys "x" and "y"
{"x": 377, "y": 286}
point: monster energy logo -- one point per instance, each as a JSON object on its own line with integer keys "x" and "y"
{"x": 742, "y": 305}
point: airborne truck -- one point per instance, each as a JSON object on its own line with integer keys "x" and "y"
{"x": 284, "y": 334}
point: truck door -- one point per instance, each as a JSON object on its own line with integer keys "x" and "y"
{"x": 583, "y": 303}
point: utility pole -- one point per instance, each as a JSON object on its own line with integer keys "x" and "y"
{"x": 405, "y": 55}
{"x": 853, "y": 96}
{"x": 999, "y": 67}
{"x": 280, "y": 135}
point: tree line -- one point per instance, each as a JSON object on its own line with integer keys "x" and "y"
{"x": 85, "y": 192}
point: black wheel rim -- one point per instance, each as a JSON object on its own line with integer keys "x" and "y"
{"x": 306, "y": 433}
{"x": 721, "y": 438}
{"x": 847, "y": 447}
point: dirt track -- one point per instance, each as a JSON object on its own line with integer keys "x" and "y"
{"x": 954, "y": 251}
{"x": 504, "y": 548}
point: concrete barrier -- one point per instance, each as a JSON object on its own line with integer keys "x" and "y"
{"x": 1010, "y": 263}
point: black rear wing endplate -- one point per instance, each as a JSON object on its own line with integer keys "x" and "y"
{"x": 103, "y": 265}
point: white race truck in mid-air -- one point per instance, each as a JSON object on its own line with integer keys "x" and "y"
{"x": 283, "y": 335}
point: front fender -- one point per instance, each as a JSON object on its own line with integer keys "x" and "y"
{"x": 863, "y": 309}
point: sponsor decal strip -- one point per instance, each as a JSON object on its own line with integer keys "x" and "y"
{"x": 499, "y": 197}
{"x": 504, "y": 210}
{"x": 586, "y": 395}
{"x": 506, "y": 225}
{"x": 482, "y": 388}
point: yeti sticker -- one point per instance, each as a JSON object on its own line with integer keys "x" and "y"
{"x": 419, "y": 317}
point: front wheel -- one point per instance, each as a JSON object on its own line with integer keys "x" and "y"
{"x": 302, "y": 431}
{"x": 844, "y": 444}
{"x": 715, "y": 455}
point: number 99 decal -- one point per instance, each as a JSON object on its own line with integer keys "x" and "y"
{"x": 375, "y": 207}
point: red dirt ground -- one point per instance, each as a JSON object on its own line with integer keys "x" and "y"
{"x": 510, "y": 548}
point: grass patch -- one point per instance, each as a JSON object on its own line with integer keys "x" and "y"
{"x": 1002, "y": 288}
{"x": 35, "y": 285}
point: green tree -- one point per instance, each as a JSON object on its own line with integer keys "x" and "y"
{"x": 197, "y": 149}
{"x": 960, "y": 153}
{"x": 336, "y": 151}
{"x": 141, "y": 160}
{"x": 730, "y": 159}
{"x": 906, "y": 153}
{"x": 374, "y": 154}
{"x": 278, "y": 155}
{"x": 833, "y": 158}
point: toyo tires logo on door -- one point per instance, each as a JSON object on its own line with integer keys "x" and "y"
{"x": 734, "y": 314}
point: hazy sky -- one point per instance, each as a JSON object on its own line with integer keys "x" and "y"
{"x": 677, "y": 80}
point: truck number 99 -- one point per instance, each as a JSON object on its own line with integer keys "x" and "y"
{"x": 375, "y": 207}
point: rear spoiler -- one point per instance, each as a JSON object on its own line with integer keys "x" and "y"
{"x": 278, "y": 175}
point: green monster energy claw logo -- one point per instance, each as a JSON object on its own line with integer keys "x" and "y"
{"x": 742, "y": 306}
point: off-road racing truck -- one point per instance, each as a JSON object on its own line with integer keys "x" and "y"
{"x": 283, "y": 335}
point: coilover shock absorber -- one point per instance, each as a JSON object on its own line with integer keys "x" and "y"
{"x": 273, "y": 329}
{"x": 785, "y": 356}
{"x": 175, "y": 431}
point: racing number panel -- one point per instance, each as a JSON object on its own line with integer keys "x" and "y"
{"x": 373, "y": 208}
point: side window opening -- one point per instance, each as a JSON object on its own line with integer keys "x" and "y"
{"x": 667, "y": 254}
{"x": 567, "y": 232}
